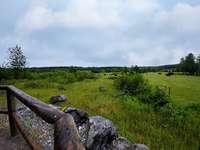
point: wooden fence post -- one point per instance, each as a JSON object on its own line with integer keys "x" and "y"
{"x": 66, "y": 135}
{"x": 169, "y": 91}
{"x": 11, "y": 109}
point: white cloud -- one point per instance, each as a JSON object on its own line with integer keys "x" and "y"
{"x": 37, "y": 18}
{"x": 183, "y": 18}
{"x": 88, "y": 13}
{"x": 143, "y": 32}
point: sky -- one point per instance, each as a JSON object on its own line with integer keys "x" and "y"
{"x": 100, "y": 32}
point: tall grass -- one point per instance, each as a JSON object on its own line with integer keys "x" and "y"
{"x": 172, "y": 127}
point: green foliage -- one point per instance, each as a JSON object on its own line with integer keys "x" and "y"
{"x": 176, "y": 115}
{"x": 193, "y": 107}
{"x": 184, "y": 88}
{"x": 37, "y": 84}
{"x": 132, "y": 84}
{"x": 188, "y": 64}
{"x": 155, "y": 96}
{"x": 135, "y": 84}
{"x": 17, "y": 60}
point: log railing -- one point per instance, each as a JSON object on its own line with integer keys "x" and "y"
{"x": 66, "y": 136}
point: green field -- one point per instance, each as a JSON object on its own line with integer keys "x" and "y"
{"x": 185, "y": 90}
{"x": 135, "y": 120}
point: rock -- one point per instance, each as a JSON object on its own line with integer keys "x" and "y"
{"x": 101, "y": 133}
{"x": 81, "y": 119}
{"x": 102, "y": 89}
{"x": 122, "y": 143}
{"x": 55, "y": 99}
{"x": 98, "y": 133}
{"x": 140, "y": 147}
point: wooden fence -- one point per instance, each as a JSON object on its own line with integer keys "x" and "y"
{"x": 66, "y": 135}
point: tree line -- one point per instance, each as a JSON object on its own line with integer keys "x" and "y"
{"x": 190, "y": 64}
{"x": 16, "y": 67}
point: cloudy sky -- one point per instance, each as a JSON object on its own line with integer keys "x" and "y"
{"x": 100, "y": 32}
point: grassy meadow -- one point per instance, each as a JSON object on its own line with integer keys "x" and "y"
{"x": 185, "y": 90}
{"x": 135, "y": 120}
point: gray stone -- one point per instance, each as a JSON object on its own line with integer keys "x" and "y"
{"x": 102, "y": 89}
{"x": 55, "y": 99}
{"x": 80, "y": 117}
{"x": 98, "y": 133}
{"x": 101, "y": 134}
{"x": 140, "y": 147}
{"x": 122, "y": 143}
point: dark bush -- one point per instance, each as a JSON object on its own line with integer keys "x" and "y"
{"x": 169, "y": 74}
{"x": 61, "y": 87}
{"x": 38, "y": 84}
{"x": 193, "y": 107}
{"x": 159, "y": 97}
{"x": 176, "y": 115}
{"x": 81, "y": 75}
{"x": 132, "y": 84}
{"x": 136, "y": 85}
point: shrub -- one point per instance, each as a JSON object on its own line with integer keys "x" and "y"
{"x": 135, "y": 84}
{"x": 169, "y": 74}
{"x": 32, "y": 84}
{"x": 159, "y": 97}
{"x": 39, "y": 84}
{"x": 132, "y": 84}
{"x": 193, "y": 107}
{"x": 81, "y": 75}
{"x": 61, "y": 87}
{"x": 176, "y": 115}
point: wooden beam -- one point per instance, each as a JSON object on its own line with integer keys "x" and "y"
{"x": 66, "y": 136}
{"x": 47, "y": 113}
{"x": 11, "y": 109}
{"x": 33, "y": 145}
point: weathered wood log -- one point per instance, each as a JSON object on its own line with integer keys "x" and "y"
{"x": 33, "y": 145}
{"x": 66, "y": 136}
{"x": 11, "y": 109}
{"x": 47, "y": 113}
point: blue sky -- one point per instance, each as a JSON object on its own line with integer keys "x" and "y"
{"x": 100, "y": 32}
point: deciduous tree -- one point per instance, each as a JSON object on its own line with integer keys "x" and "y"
{"x": 17, "y": 60}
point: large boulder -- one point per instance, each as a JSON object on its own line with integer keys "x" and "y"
{"x": 101, "y": 134}
{"x": 98, "y": 133}
{"x": 80, "y": 117}
{"x": 55, "y": 99}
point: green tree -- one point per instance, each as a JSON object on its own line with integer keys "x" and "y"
{"x": 17, "y": 60}
{"x": 198, "y": 64}
{"x": 188, "y": 64}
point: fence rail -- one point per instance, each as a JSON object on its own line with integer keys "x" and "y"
{"x": 66, "y": 135}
